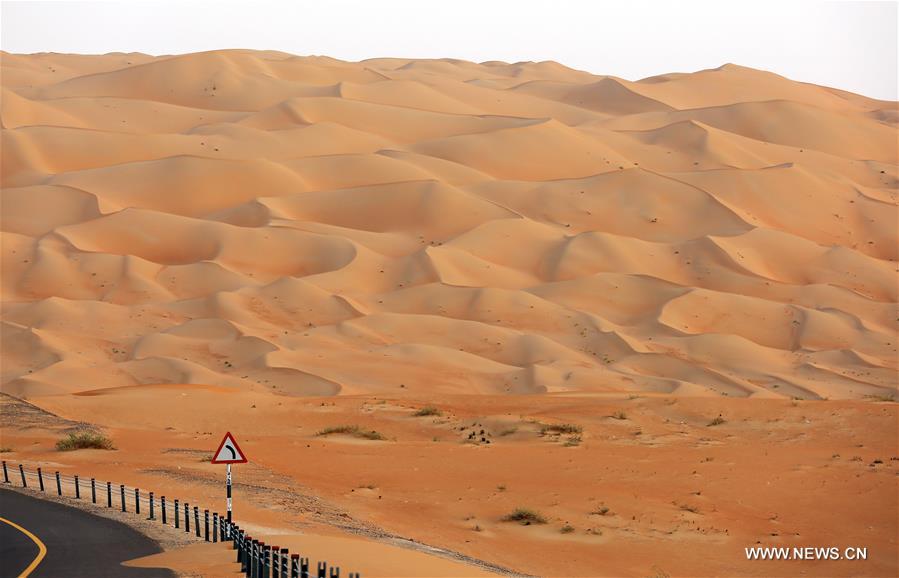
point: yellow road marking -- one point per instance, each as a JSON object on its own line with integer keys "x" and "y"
{"x": 41, "y": 549}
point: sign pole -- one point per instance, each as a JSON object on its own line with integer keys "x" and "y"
{"x": 228, "y": 453}
{"x": 229, "y": 492}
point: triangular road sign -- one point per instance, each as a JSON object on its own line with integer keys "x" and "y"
{"x": 229, "y": 452}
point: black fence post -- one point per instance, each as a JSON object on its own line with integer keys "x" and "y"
{"x": 152, "y": 513}
{"x": 93, "y": 490}
{"x": 215, "y": 526}
{"x": 206, "y": 525}
{"x": 58, "y": 485}
{"x": 122, "y": 491}
{"x": 253, "y": 559}
{"x": 77, "y": 488}
{"x": 5, "y": 473}
{"x": 247, "y": 563}
{"x": 294, "y": 566}
{"x": 40, "y": 478}
{"x": 260, "y": 548}
{"x": 108, "y": 494}
{"x": 197, "y": 520}
{"x": 244, "y": 554}
{"x": 267, "y": 562}
{"x": 335, "y": 572}
{"x": 177, "y": 512}
{"x": 260, "y": 560}
{"x": 22, "y": 471}
{"x": 242, "y": 550}
{"x": 249, "y": 560}
{"x": 304, "y": 567}
{"x": 322, "y": 570}
{"x": 136, "y": 501}
{"x": 187, "y": 517}
{"x": 276, "y": 562}
{"x": 162, "y": 507}
{"x": 285, "y": 563}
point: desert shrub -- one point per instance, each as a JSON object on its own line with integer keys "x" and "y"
{"x": 353, "y": 430}
{"x": 600, "y": 511}
{"x": 567, "y": 529}
{"x": 426, "y": 411}
{"x": 574, "y": 440}
{"x": 84, "y": 440}
{"x": 560, "y": 428}
{"x": 525, "y": 516}
{"x": 717, "y": 421}
{"x": 619, "y": 415}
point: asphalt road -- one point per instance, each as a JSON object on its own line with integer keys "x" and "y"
{"x": 78, "y": 544}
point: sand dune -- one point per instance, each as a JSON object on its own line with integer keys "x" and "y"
{"x": 448, "y": 226}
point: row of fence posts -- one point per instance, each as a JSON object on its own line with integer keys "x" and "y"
{"x": 256, "y": 558}
{"x": 209, "y": 536}
{"x": 260, "y": 560}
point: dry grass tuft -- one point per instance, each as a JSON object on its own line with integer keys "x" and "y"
{"x": 353, "y": 430}
{"x": 84, "y": 440}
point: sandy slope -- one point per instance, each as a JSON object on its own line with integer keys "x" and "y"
{"x": 405, "y": 232}
{"x": 444, "y": 225}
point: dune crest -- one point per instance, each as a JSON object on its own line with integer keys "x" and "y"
{"x": 307, "y": 226}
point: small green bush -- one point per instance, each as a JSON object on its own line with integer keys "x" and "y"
{"x": 84, "y": 440}
{"x": 525, "y": 517}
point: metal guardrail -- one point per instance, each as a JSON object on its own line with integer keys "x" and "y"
{"x": 256, "y": 558}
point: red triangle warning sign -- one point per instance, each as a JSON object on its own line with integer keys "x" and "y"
{"x": 229, "y": 452}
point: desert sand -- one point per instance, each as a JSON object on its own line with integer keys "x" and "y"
{"x": 275, "y": 244}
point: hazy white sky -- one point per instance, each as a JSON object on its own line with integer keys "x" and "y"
{"x": 845, "y": 44}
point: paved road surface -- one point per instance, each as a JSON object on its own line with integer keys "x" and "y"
{"x": 78, "y": 544}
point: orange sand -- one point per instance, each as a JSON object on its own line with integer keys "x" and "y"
{"x": 296, "y": 232}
